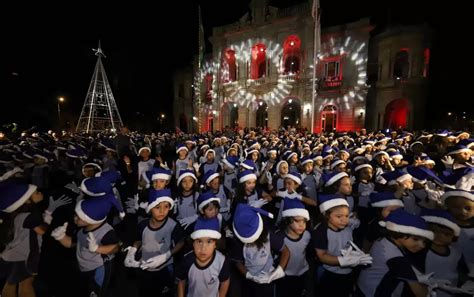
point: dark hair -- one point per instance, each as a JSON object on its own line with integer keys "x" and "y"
{"x": 215, "y": 203}
{"x": 262, "y": 239}
{"x": 332, "y": 189}
{"x": 328, "y": 212}
{"x": 394, "y": 234}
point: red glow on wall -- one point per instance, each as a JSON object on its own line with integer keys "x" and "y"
{"x": 258, "y": 67}
{"x": 291, "y": 55}
{"x": 230, "y": 65}
{"x": 426, "y": 65}
{"x": 396, "y": 114}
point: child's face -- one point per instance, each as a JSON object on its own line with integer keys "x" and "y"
{"x": 462, "y": 157}
{"x": 413, "y": 243}
{"x": 345, "y": 186}
{"x": 233, "y": 153}
{"x": 182, "y": 154}
{"x": 187, "y": 183}
{"x": 290, "y": 185}
{"x": 339, "y": 217}
{"x": 214, "y": 184}
{"x": 160, "y": 184}
{"x": 461, "y": 208}
{"x": 254, "y": 156}
{"x": 340, "y": 168}
{"x": 145, "y": 154}
{"x": 36, "y": 197}
{"x": 109, "y": 153}
{"x": 308, "y": 167}
{"x": 79, "y": 222}
{"x": 272, "y": 156}
{"x": 210, "y": 157}
{"x": 204, "y": 249}
{"x": 283, "y": 169}
{"x": 408, "y": 184}
{"x": 88, "y": 171}
{"x": 298, "y": 225}
{"x": 210, "y": 211}
{"x": 381, "y": 159}
{"x": 442, "y": 236}
{"x": 396, "y": 161}
{"x": 250, "y": 185}
{"x": 366, "y": 173}
{"x": 38, "y": 161}
{"x": 160, "y": 212}
{"x": 318, "y": 162}
{"x": 388, "y": 209}
{"x": 294, "y": 159}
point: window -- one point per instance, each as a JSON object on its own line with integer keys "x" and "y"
{"x": 331, "y": 71}
{"x": 229, "y": 69}
{"x": 291, "y": 55}
{"x": 401, "y": 65}
{"x": 258, "y": 67}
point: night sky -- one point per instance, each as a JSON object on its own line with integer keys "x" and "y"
{"x": 50, "y": 53}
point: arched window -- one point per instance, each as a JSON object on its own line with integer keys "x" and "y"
{"x": 401, "y": 65}
{"x": 258, "y": 67}
{"x": 291, "y": 55}
{"x": 208, "y": 84}
{"x": 396, "y": 114}
{"x": 229, "y": 69}
{"x": 329, "y": 118}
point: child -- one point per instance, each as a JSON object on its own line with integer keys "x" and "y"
{"x": 340, "y": 183}
{"x": 21, "y": 232}
{"x": 183, "y": 162}
{"x": 311, "y": 184}
{"x": 293, "y": 190}
{"x": 248, "y": 193}
{"x": 391, "y": 271}
{"x": 383, "y": 203}
{"x": 96, "y": 243}
{"x": 280, "y": 171}
{"x": 230, "y": 174}
{"x": 205, "y": 271}
{"x": 186, "y": 198}
{"x": 252, "y": 253}
{"x": 297, "y": 239}
{"x": 331, "y": 240}
{"x": 460, "y": 204}
{"x": 159, "y": 238}
{"x": 145, "y": 163}
{"x": 212, "y": 183}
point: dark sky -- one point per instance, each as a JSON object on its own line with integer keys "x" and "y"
{"x": 47, "y": 52}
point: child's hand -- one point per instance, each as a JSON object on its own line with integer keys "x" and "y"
{"x": 92, "y": 244}
{"x": 185, "y": 222}
{"x": 130, "y": 258}
{"x": 155, "y": 261}
{"x": 59, "y": 232}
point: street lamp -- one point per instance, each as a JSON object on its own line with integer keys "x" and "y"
{"x": 60, "y": 100}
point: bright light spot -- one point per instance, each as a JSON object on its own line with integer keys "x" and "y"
{"x": 195, "y": 118}
{"x": 290, "y": 101}
{"x": 214, "y": 112}
{"x": 352, "y": 94}
{"x": 360, "y": 82}
{"x": 292, "y": 43}
{"x": 449, "y": 113}
{"x": 235, "y": 104}
{"x": 260, "y": 103}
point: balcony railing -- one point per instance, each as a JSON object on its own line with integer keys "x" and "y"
{"x": 329, "y": 83}
{"x": 256, "y": 82}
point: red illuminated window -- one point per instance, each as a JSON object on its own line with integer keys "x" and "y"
{"x": 258, "y": 67}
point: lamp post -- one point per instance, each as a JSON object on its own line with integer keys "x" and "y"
{"x": 60, "y": 100}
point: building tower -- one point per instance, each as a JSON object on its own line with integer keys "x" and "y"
{"x": 100, "y": 111}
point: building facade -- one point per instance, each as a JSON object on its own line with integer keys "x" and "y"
{"x": 261, "y": 70}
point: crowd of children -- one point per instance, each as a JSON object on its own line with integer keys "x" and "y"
{"x": 257, "y": 214}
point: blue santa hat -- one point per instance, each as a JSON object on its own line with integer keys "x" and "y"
{"x": 272, "y": 150}
{"x": 145, "y": 148}
{"x": 185, "y": 173}
{"x": 441, "y": 217}
{"x": 246, "y": 175}
{"x": 13, "y": 196}
{"x": 406, "y": 223}
{"x": 277, "y": 168}
{"x": 155, "y": 197}
{"x": 209, "y": 176}
{"x": 362, "y": 166}
{"x": 231, "y": 161}
{"x": 328, "y": 201}
{"x": 469, "y": 143}
{"x": 96, "y": 186}
{"x": 396, "y": 176}
{"x": 248, "y": 164}
{"x": 295, "y": 176}
{"x": 206, "y": 228}
{"x": 294, "y": 208}
{"x": 335, "y": 162}
{"x": 289, "y": 155}
{"x": 76, "y": 153}
{"x": 251, "y": 151}
{"x": 248, "y": 223}
{"x": 305, "y": 160}
{"x": 181, "y": 147}
{"x": 209, "y": 151}
{"x": 333, "y": 177}
{"x": 381, "y": 153}
{"x": 206, "y": 198}
{"x": 161, "y": 173}
{"x": 384, "y": 199}
{"x": 111, "y": 175}
{"x": 326, "y": 155}
{"x": 459, "y": 148}
{"x": 457, "y": 193}
{"x": 91, "y": 164}
{"x": 95, "y": 210}
{"x": 421, "y": 174}
{"x": 395, "y": 155}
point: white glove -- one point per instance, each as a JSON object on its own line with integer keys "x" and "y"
{"x": 354, "y": 223}
{"x": 282, "y": 194}
{"x": 53, "y": 205}
{"x": 196, "y": 167}
{"x": 131, "y": 205}
{"x": 295, "y": 195}
{"x": 433, "y": 193}
{"x": 262, "y": 278}
{"x": 185, "y": 222}
{"x": 59, "y": 232}
{"x": 269, "y": 177}
{"x": 92, "y": 243}
{"x": 351, "y": 258}
{"x": 156, "y": 261}
{"x": 258, "y": 203}
{"x": 165, "y": 166}
{"x": 130, "y": 258}
{"x": 143, "y": 205}
{"x": 448, "y": 162}
{"x": 229, "y": 233}
{"x": 277, "y": 274}
{"x": 468, "y": 287}
{"x": 73, "y": 187}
